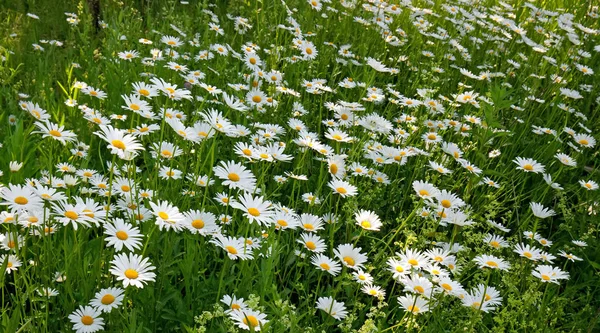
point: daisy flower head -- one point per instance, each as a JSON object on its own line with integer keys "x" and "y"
{"x": 233, "y": 303}
{"x": 425, "y": 190}
{"x": 414, "y": 304}
{"x": 489, "y": 261}
{"x": 119, "y": 142}
{"x": 122, "y": 234}
{"x": 589, "y": 185}
{"x": 343, "y": 188}
{"x": 367, "y": 220}
{"x": 350, "y": 256}
{"x": 540, "y": 211}
{"x": 19, "y": 197}
{"x": 547, "y": 273}
{"x": 132, "y": 269}
{"x": 249, "y": 319}
{"x": 50, "y": 129}
{"x": 167, "y": 216}
{"x": 256, "y": 209}
{"x": 529, "y": 165}
{"x": 86, "y": 319}
{"x": 326, "y": 264}
{"x": 312, "y": 242}
{"x": 236, "y": 248}
{"x": 527, "y": 251}
{"x": 108, "y": 299}
{"x": 332, "y": 307}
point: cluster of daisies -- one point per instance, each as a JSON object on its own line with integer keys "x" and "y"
{"x": 364, "y": 134}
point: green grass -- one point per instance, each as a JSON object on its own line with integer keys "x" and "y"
{"x": 193, "y": 274}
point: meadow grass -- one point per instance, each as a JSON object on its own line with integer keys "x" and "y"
{"x": 299, "y": 166}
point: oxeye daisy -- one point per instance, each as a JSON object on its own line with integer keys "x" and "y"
{"x": 488, "y": 261}
{"x": 495, "y": 241}
{"x": 326, "y": 264}
{"x": 235, "y": 176}
{"x": 367, "y": 220}
{"x": 540, "y": 211}
{"x": 417, "y": 284}
{"x": 108, "y": 299}
{"x": 332, "y": 307}
{"x": 589, "y": 185}
{"x": 425, "y": 190}
{"x": 167, "y": 216}
{"x": 119, "y": 234}
{"x": 132, "y": 269}
{"x": 529, "y": 165}
{"x": 119, "y": 142}
{"x": 11, "y": 261}
{"x": 233, "y": 303}
{"x": 18, "y": 197}
{"x": 551, "y": 274}
{"x": 527, "y": 251}
{"x": 200, "y": 222}
{"x": 350, "y": 256}
{"x": 414, "y": 304}
{"x": 342, "y": 188}
{"x": 49, "y": 129}
{"x": 249, "y": 319}
{"x": 256, "y": 209}
{"x": 585, "y": 140}
{"x": 310, "y": 223}
{"x": 235, "y": 247}
{"x": 285, "y": 221}
{"x": 86, "y": 319}
{"x": 312, "y": 242}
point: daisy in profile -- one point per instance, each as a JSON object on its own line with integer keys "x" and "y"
{"x": 540, "y": 211}
{"x": 108, "y": 299}
{"x": 350, "y": 256}
{"x": 527, "y": 251}
{"x": 566, "y": 159}
{"x": 326, "y": 264}
{"x": 167, "y": 216}
{"x": 119, "y": 142}
{"x": 310, "y": 222}
{"x": 585, "y": 140}
{"x": 233, "y": 303}
{"x": 19, "y": 197}
{"x": 249, "y": 319}
{"x": 256, "y": 209}
{"x": 119, "y": 234}
{"x": 132, "y": 269}
{"x": 342, "y": 188}
{"x": 332, "y": 307}
{"x": 495, "y": 241}
{"x": 414, "y": 304}
{"x": 589, "y": 185}
{"x": 50, "y": 129}
{"x": 488, "y": 261}
{"x": 551, "y": 274}
{"x": 569, "y": 256}
{"x": 312, "y": 242}
{"x": 529, "y": 165}
{"x": 87, "y": 319}
{"x": 367, "y": 220}
{"x": 235, "y": 247}
{"x": 12, "y": 262}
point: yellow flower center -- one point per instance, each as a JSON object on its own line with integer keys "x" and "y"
{"x": 131, "y": 273}
{"x": 125, "y": 188}
{"x": 107, "y": 299}
{"x": 446, "y": 203}
{"x": 492, "y": 263}
{"x": 282, "y": 223}
{"x": 254, "y": 212}
{"x": 21, "y": 200}
{"x": 118, "y": 144}
{"x": 446, "y": 286}
{"x": 495, "y": 244}
{"x": 325, "y": 266}
{"x": 250, "y": 321}
{"x": 231, "y": 249}
{"x": 234, "y": 177}
{"x": 365, "y": 224}
{"x": 163, "y": 215}
{"x": 337, "y": 137}
{"x": 419, "y": 289}
{"x": 341, "y": 190}
{"x": 72, "y": 215}
{"x": 122, "y": 235}
{"x": 198, "y": 224}
{"x": 87, "y": 320}
{"x": 545, "y": 277}
{"x": 528, "y": 167}
{"x": 55, "y": 133}
{"x": 413, "y": 262}
{"x": 413, "y": 309}
{"x": 349, "y": 261}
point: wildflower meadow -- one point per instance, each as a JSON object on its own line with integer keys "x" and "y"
{"x": 299, "y": 166}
